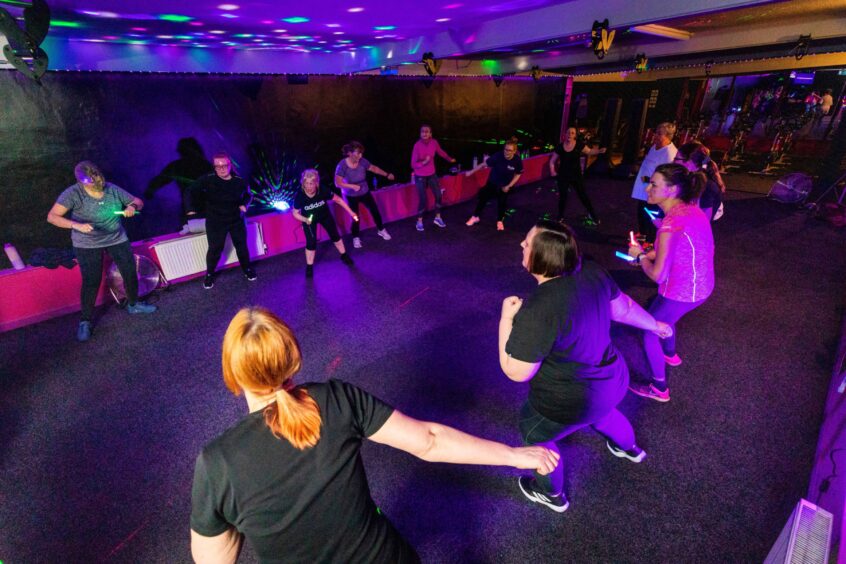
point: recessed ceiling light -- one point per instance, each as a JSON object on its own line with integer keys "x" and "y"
{"x": 230, "y": 16}
{"x": 355, "y": 10}
{"x": 295, "y": 20}
{"x": 384, "y": 27}
{"x": 337, "y": 33}
{"x": 217, "y": 31}
{"x": 280, "y": 31}
{"x": 442, "y": 20}
{"x": 333, "y": 25}
{"x": 228, "y": 7}
{"x": 99, "y": 14}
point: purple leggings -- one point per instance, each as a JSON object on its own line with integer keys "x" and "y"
{"x": 668, "y": 311}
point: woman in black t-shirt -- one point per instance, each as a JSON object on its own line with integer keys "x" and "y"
{"x": 569, "y": 154}
{"x": 559, "y": 341}
{"x": 289, "y": 476}
{"x": 311, "y": 205}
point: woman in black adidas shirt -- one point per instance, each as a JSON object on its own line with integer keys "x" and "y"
{"x": 289, "y": 476}
{"x": 311, "y": 206}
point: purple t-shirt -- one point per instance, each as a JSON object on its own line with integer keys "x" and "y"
{"x": 691, "y": 263}
{"x": 357, "y": 175}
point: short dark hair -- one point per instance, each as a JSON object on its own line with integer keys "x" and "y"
{"x": 554, "y": 250}
{"x": 512, "y": 141}
{"x": 690, "y": 184}
{"x": 222, "y": 155}
{"x": 85, "y": 171}
{"x": 352, "y": 147}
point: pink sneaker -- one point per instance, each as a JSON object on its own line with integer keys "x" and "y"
{"x": 674, "y": 360}
{"x": 473, "y": 221}
{"x": 500, "y": 226}
{"x": 649, "y": 391}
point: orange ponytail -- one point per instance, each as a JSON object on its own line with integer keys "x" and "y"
{"x": 261, "y": 354}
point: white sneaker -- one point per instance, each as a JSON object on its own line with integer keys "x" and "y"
{"x": 356, "y": 242}
{"x": 383, "y": 233}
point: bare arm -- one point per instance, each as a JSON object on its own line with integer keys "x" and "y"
{"x": 656, "y": 265}
{"x": 593, "y": 151}
{"x": 625, "y": 310}
{"x": 56, "y": 216}
{"x": 341, "y": 183}
{"x": 434, "y": 442}
{"x": 222, "y": 549}
{"x": 376, "y": 170}
{"x": 553, "y": 160}
{"x": 512, "y": 183}
{"x": 300, "y": 217}
{"x": 340, "y": 201}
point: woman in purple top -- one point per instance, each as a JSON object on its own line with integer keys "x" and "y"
{"x": 682, "y": 263}
{"x": 423, "y": 169}
{"x": 351, "y": 178}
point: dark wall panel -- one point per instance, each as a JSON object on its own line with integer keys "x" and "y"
{"x": 130, "y": 123}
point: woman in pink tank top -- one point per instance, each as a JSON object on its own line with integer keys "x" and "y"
{"x": 682, "y": 263}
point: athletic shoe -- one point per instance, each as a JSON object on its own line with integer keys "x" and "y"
{"x": 83, "y": 332}
{"x": 500, "y": 226}
{"x": 250, "y": 275}
{"x": 309, "y": 271}
{"x": 558, "y": 503}
{"x": 473, "y": 221}
{"x": 636, "y": 454}
{"x": 674, "y": 360}
{"x": 439, "y": 222}
{"x": 650, "y": 391}
{"x": 208, "y": 281}
{"x": 356, "y": 242}
{"x": 590, "y": 222}
{"x": 420, "y": 225}
{"x": 383, "y": 233}
{"x": 346, "y": 259}
{"x": 141, "y": 307}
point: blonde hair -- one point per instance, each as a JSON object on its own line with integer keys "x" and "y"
{"x": 309, "y": 173}
{"x": 261, "y": 354}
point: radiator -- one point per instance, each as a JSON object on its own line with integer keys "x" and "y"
{"x": 186, "y": 255}
{"x": 805, "y": 538}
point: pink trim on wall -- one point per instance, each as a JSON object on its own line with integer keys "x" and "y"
{"x": 35, "y": 294}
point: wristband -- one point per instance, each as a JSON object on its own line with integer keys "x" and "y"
{"x": 640, "y": 256}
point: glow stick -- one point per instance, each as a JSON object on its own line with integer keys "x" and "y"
{"x": 624, "y": 256}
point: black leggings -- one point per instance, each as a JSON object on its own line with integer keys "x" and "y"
{"x": 91, "y": 266}
{"x": 578, "y": 184}
{"x": 488, "y": 192}
{"x": 328, "y": 223}
{"x": 216, "y": 235}
{"x": 370, "y": 204}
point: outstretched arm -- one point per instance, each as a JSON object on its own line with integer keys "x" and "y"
{"x": 340, "y": 201}
{"x": 625, "y": 310}
{"x": 376, "y": 170}
{"x": 434, "y": 442}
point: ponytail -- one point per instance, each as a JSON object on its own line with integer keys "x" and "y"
{"x": 690, "y": 184}
{"x": 261, "y": 354}
{"x": 294, "y": 416}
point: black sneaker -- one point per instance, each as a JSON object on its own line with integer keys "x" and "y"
{"x": 636, "y": 454}
{"x": 309, "y": 271}
{"x": 558, "y": 503}
{"x": 346, "y": 259}
{"x": 208, "y": 281}
{"x": 250, "y": 275}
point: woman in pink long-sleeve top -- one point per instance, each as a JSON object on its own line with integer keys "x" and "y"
{"x": 423, "y": 167}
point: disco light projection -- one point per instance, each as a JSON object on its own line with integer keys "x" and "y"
{"x": 276, "y": 181}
